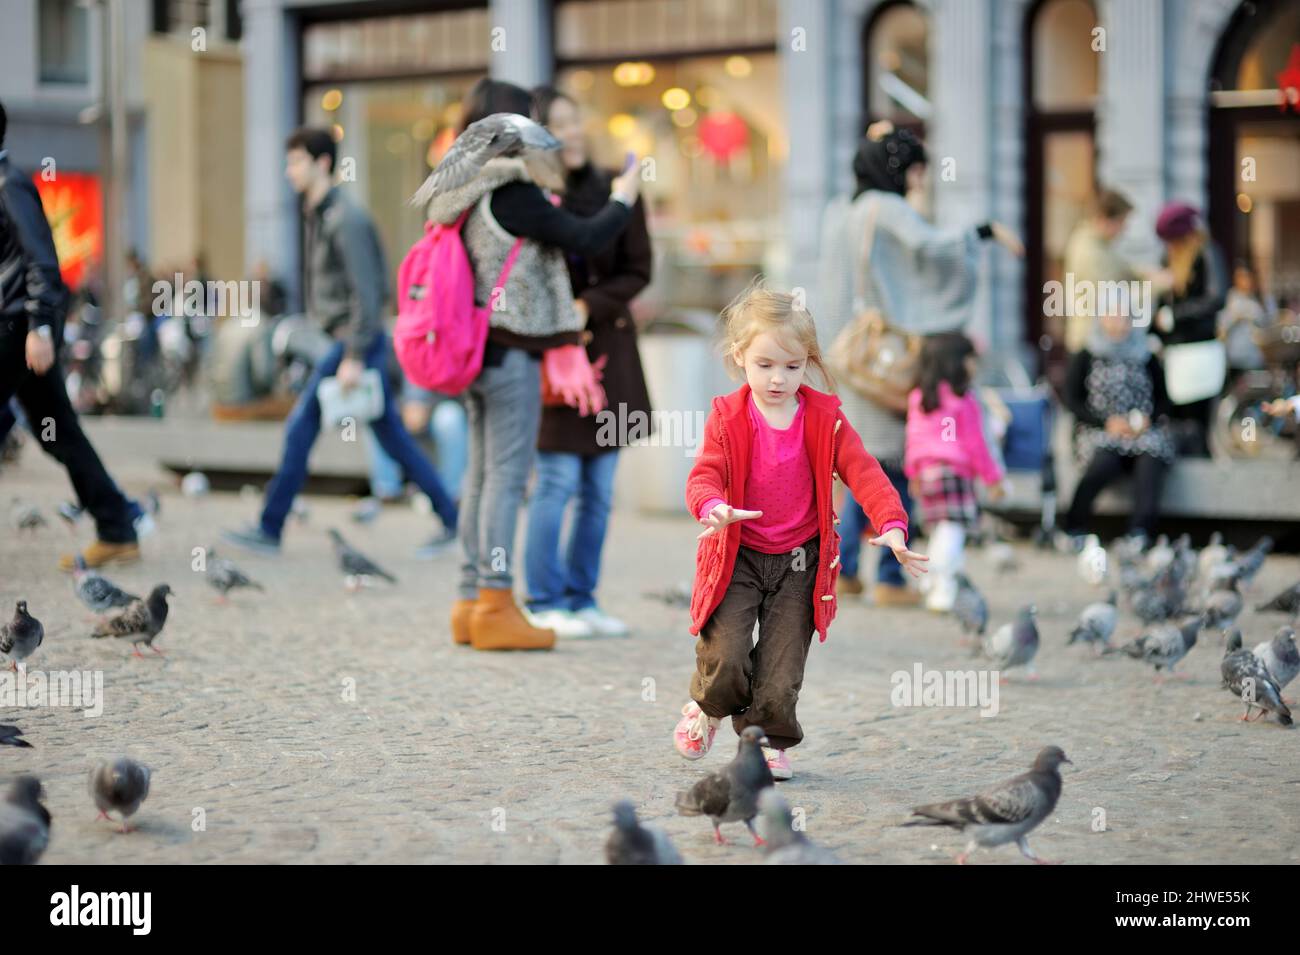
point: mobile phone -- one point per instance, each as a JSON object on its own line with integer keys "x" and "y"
{"x": 629, "y": 161}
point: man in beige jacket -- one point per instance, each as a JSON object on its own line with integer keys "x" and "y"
{"x": 1091, "y": 257}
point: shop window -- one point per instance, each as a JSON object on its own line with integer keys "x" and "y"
{"x": 392, "y": 46}
{"x": 64, "y": 45}
{"x": 897, "y": 66}
{"x": 1065, "y": 64}
{"x": 610, "y": 28}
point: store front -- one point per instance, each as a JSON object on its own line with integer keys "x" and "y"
{"x": 694, "y": 89}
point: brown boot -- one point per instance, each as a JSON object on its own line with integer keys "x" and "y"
{"x": 497, "y": 624}
{"x": 848, "y": 586}
{"x": 100, "y": 553}
{"x": 460, "y": 614}
{"x": 892, "y": 595}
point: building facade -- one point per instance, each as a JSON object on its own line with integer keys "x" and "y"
{"x": 751, "y": 111}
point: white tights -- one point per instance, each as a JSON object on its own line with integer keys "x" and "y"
{"x": 947, "y": 558}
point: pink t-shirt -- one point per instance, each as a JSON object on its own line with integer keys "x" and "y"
{"x": 780, "y": 484}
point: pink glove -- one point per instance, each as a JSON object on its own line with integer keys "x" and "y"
{"x": 569, "y": 374}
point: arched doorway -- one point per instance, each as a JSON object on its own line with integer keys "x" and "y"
{"x": 896, "y": 74}
{"x": 1061, "y": 81}
{"x": 1254, "y": 161}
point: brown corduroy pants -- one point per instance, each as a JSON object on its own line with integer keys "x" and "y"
{"x": 757, "y": 684}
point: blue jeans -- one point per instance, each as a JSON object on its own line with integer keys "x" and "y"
{"x": 303, "y": 427}
{"x": 853, "y": 522}
{"x": 450, "y": 433}
{"x": 568, "y": 582}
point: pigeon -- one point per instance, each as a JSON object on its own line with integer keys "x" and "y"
{"x": 1249, "y": 680}
{"x": 13, "y": 736}
{"x": 634, "y": 844}
{"x": 195, "y": 484}
{"x": 1222, "y": 606}
{"x": 500, "y": 134}
{"x": 1158, "y": 599}
{"x": 70, "y": 513}
{"x": 1163, "y": 645}
{"x": 96, "y": 591}
{"x": 1212, "y": 555}
{"x": 732, "y": 795}
{"x": 1280, "y": 657}
{"x": 1003, "y": 557}
{"x": 1092, "y": 561}
{"x": 20, "y": 637}
{"x": 1014, "y": 644}
{"x": 24, "y": 823}
{"x": 1288, "y": 601}
{"x": 787, "y": 845}
{"x": 357, "y": 567}
{"x": 1160, "y": 556}
{"x": 141, "y": 622}
{"x": 1097, "y": 622}
{"x": 970, "y": 608}
{"x": 224, "y": 576}
{"x": 25, "y": 517}
{"x": 120, "y": 787}
{"x": 1006, "y": 813}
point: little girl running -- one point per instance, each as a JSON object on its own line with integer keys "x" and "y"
{"x": 770, "y": 552}
{"x": 944, "y": 450}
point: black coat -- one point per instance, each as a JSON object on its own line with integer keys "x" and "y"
{"x": 606, "y": 281}
{"x": 1196, "y": 311}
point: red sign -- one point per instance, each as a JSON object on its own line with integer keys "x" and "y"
{"x": 74, "y": 207}
{"x": 723, "y": 135}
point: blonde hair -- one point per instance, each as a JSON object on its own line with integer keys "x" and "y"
{"x": 1182, "y": 254}
{"x": 760, "y": 309}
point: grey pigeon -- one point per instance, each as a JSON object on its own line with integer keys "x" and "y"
{"x": 732, "y": 794}
{"x": 224, "y": 576}
{"x": 1288, "y": 601}
{"x": 1251, "y": 561}
{"x": 1222, "y": 606}
{"x": 25, "y": 517}
{"x": 500, "y": 134}
{"x": 1159, "y": 598}
{"x": 787, "y": 845}
{"x": 120, "y": 787}
{"x": 24, "y": 823}
{"x": 20, "y": 637}
{"x": 1249, "y": 680}
{"x": 1006, "y": 813}
{"x": 1280, "y": 657}
{"x": 1160, "y": 556}
{"x": 70, "y": 513}
{"x": 970, "y": 608}
{"x": 12, "y": 736}
{"x": 1212, "y": 554}
{"x": 140, "y": 623}
{"x": 634, "y": 844}
{"x": 1097, "y": 622}
{"x": 1014, "y": 644}
{"x": 1164, "y": 644}
{"x": 355, "y": 565}
{"x": 96, "y": 591}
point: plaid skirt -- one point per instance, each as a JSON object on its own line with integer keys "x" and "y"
{"x": 945, "y": 495}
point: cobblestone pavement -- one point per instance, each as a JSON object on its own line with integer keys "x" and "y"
{"x": 447, "y": 755}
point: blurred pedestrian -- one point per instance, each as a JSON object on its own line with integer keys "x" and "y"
{"x": 879, "y": 255}
{"x": 33, "y": 305}
{"x": 346, "y": 290}
{"x": 577, "y": 456}
{"x": 945, "y": 452}
{"x": 1091, "y": 259}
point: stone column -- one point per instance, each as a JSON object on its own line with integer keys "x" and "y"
{"x": 520, "y": 37}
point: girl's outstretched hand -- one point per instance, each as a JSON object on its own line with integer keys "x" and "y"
{"x": 894, "y": 540}
{"x": 724, "y": 514}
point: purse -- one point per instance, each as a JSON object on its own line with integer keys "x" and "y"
{"x": 362, "y": 404}
{"x": 878, "y": 361}
{"x": 1195, "y": 371}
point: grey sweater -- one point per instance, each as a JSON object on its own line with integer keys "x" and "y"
{"x": 920, "y": 276}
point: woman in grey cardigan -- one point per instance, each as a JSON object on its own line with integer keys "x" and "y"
{"x": 922, "y": 278}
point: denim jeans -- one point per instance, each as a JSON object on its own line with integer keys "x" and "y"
{"x": 303, "y": 427}
{"x": 448, "y": 428}
{"x": 853, "y": 522}
{"x": 567, "y": 581}
{"x": 504, "y": 406}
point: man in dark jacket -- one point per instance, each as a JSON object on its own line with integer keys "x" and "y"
{"x": 33, "y": 302}
{"x": 346, "y": 290}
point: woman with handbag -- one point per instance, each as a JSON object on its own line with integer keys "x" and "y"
{"x": 1195, "y": 289}
{"x": 889, "y": 277}
{"x": 577, "y": 455}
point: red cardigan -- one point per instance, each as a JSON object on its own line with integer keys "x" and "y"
{"x": 834, "y": 450}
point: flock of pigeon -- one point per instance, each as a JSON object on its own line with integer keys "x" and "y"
{"x": 1172, "y": 590}
{"x": 120, "y": 785}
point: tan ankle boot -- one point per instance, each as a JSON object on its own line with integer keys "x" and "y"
{"x": 100, "y": 553}
{"x": 892, "y": 595}
{"x": 460, "y": 614}
{"x": 496, "y": 623}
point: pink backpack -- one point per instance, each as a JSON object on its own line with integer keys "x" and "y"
{"x": 440, "y": 331}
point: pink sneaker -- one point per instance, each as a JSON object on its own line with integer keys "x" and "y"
{"x": 778, "y": 762}
{"x": 694, "y": 734}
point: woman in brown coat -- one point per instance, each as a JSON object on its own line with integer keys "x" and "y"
{"x": 577, "y": 455}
